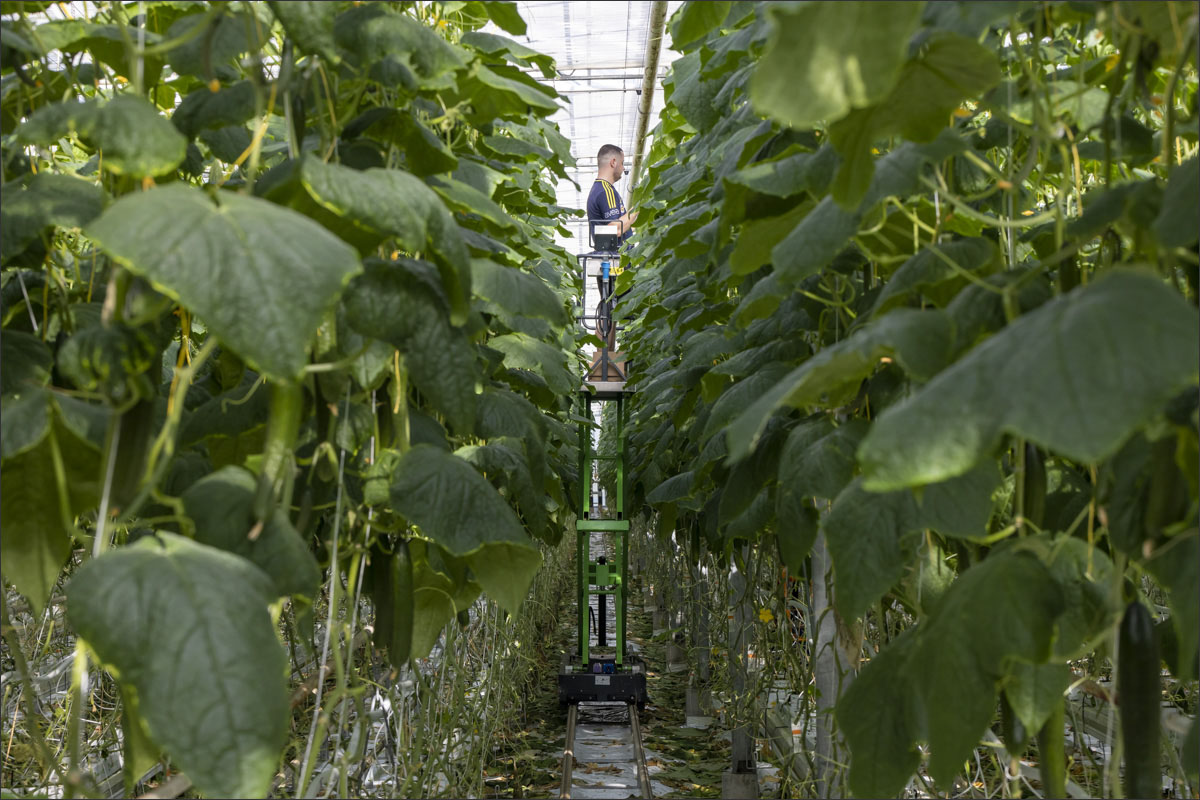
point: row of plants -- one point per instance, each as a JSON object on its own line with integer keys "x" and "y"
{"x": 284, "y": 329}
{"x": 915, "y": 293}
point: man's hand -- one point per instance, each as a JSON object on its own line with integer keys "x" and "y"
{"x": 628, "y": 220}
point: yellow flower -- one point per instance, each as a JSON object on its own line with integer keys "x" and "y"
{"x": 765, "y": 614}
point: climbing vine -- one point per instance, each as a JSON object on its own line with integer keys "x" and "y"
{"x": 285, "y": 327}
{"x": 915, "y": 296}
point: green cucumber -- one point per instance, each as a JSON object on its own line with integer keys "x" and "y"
{"x": 283, "y": 426}
{"x": 1052, "y": 750}
{"x": 133, "y": 444}
{"x": 1012, "y": 730}
{"x": 1139, "y": 693}
{"x": 391, "y": 585}
{"x": 400, "y": 647}
{"x": 1035, "y": 486}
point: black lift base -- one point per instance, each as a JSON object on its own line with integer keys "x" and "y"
{"x": 609, "y": 685}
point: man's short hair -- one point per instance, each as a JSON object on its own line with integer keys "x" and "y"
{"x": 608, "y": 151}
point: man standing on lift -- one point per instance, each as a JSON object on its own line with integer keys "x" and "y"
{"x": 604, "y": 206}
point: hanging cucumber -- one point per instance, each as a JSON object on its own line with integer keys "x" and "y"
{"x": 132, "y": 437}
{"x": 1052, "y": 749}
{"x": 283, "y": 425}
{"x": 400, "y": 646}
{"x": 391, "y": 581}
{"x": 1167, "y": 496}
{"x": 1035, "y": 486}
{"x": 1012, "y": 730}
{"x": 1139, "y": 691}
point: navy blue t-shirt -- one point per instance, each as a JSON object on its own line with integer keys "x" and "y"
{"x": 604, "y": 204}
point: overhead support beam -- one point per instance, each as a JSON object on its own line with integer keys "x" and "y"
{"x": 658, "y": 22}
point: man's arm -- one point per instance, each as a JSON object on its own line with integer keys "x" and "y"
{"x": 627, "y": 219}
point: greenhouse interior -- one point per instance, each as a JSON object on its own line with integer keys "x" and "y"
{"x": 600, "y": 399}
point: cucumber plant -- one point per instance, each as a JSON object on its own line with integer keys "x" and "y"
{"x": 281, "y": 297}
{"x": 924, "y": 289}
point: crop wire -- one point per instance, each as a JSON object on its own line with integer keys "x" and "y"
{"x": 341, "y": 716}
{"x": 1011, "y": 188}
{"x": 28, "y": 304}
{"x": 333, "y": 565}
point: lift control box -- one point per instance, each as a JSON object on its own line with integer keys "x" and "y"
{"x": 607, "y": 238}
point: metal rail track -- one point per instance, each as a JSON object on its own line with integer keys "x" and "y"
{"x": 639, "y": 753}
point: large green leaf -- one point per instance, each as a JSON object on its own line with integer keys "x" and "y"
{"x": 948, "y": 69}
{"x": 881, "y": 719}
{"x": 1077, "y": 376}
{"x": 758, "y": 238}
{"x": 424, "y": 151}
{"x": 466, "y": 199}
{"x": 793, "y": 171}
{"x": 222, "y": 507}
{"x": 260, "y": 276}
{"x": 133, "y": 137}
{"x": 1084, "y": 574}
{"x": 433, "y": 607}
{"x": 737, "y": 397}
{"x": 694, "y": 20}
{"x": 188, "y": 627}
{"x": 673, "y": 489}
{"x": 27, "y": 361}
{"x": 494, "y": 44}
{"x": 959, "y": 660}
{"x": 209, "y": 52}
{"x": 865, "y": 530}
{"x": 919, "y": 340}
{"x": 524, "y": 352}
{"x": 505, "y": 463}
{"x": 818, "y": 458}
{"x": 937, "y": 682}
{"x": 824, "y": 59}
{"x": 1033, "y": 690}
{"x": 694, "y": 96}
{"x": 516, "y": 291}
{"x": 310, "y": 24}
{"x": 396, "y": 303}
{"x": 1176, "y": 223}
{"x": 401, "y": 205}
{"x": 203, "y": 108}
{"x": 496, "y": 92}
{"x": 48, "y": 199}
{"x": 232, "y": 424}
{"x": 457, "y": 508}
{"x": 813, "y": 243}
{"x": 932, "y": 272}
{"x": 506, "y": 16}
{"x": 36, "y": 512}
{"x": 864, "y": 533}
{"x": 796, "y": 528}
{"x": 397, "y": 48}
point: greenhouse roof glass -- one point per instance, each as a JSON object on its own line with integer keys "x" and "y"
{"x": 600, "y": 49}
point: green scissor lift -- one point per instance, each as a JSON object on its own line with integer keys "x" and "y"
{"x": 594, "y": 674}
